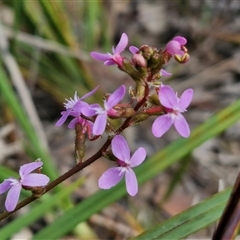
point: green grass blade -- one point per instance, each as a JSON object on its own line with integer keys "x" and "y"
{"x": 151, "y": 167}
{"x": 189, "y": 221}
{"x": 5, "y": 172}
{"x": 47, "y": 202}
{"x": 58, "y": 21}
{"x": 12, "y": 101}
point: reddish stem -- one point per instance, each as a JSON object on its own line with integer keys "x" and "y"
{"x": 79, "y": 166}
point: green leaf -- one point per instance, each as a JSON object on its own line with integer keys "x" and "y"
{"x": 150, "y": 168}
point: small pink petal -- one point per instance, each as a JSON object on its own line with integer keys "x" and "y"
{"x": 122, "y": 44}
{"x": 29, "y": 167}
{"x": 101, "y": 56}
{"x": 90, "y": 110}
{"x": 110, "y": 178}
{"x": 167, "y": 97}
{"x": 5, "y": 185}
{"x": 138, "y": 157}
{"x": 173, "y": 47}
{"x": 161, "y": 125}
{"x": 78, "y": 107}
{"x": 165, "y": 73}
{"x": 131, "y": 182}
{"x": 109, "y": 62}
{"x": 12, "y": 197}
{"x": 90, "y": 93}
{"x": 185, "y": 99}
{"x": 182, "y": 126}
{"x": 35, "y": 180}
{"x": 120, "y": 148}
{"x": 63, "y": 118}
{"x": 181, "y": 40}
{"x": 115, "y": 97}
{"x": 100, "y": 124}
{"x": 133, "y": 49}
{"x": 73, "y": 123}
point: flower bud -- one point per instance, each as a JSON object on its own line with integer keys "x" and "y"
{"x": 147, "y": 51}
{"x": 79, "y": 143}
{"x": 139, "y": 60}
{"x": 128, "y": 67}
{"x": 128, "y": 112}
{"x": 154, "y": 111}
{"x": 137, "y": 118}
{"x": 153, "y": 99}
{"x": 121, "y": 112}
{"x": 140, "y": 91}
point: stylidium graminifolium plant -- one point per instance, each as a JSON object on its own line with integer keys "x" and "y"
{"x": 147, "y": 97}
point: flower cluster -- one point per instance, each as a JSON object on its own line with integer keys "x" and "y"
{"x": 27, "y": 181}
{"x": 149, "y": 97}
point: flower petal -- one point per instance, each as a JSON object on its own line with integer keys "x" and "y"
{"x": 120, "y": 148}
{"x": 73, "y": 123}
{"x": 182, "y": 126}
{"x": 100, "y": 124}
{"x": 180, "y": 39}
{"x": 29, "y": 167}
{"x": 35, "y": 180}
{"x": 131, "y": 182}
{"x": 133, "y": 49}
{"x": 101, "y": 56}
{"x": 91, "y": 110}
{"x": 167, "y": 97}
{"x": 115, "y": 97}
{"x": 161, "y": 125}
{"x": 173, "y": 47}
{"x": 138, "y": 157}
{"x": 63, "y": 118}
{"x": 90, "y": 93}
{"x": 12, "y": 197}
{"x": 109, "y": 62}
{"x": 5, "y": 185}
{"x": 165, "y": 73}
{"x": 78, "y": 107}
{"x": 122, "y": 44}
{"x": 185, "y": 99}
{"x": 110, "y": 178}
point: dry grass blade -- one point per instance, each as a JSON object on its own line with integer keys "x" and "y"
{"x": 44, "y": 44}
{"x": 21, "y": 88}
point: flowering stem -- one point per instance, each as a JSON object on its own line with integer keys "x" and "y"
{"x": 60, "y": 179}
{"x": 78, "y": 167}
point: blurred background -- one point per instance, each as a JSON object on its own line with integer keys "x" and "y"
{"x": 44, "y": 58}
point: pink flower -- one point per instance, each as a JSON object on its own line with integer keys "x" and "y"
{"x": 74, "y": 106}
{"x": 27, "y": 179}
{"x": 115, "y": 58}
{"x": 174, "y": 107}
{"x": 174, "y": 47}
{"x": 113, "y": 175}
{"x": 108, "y": 110}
